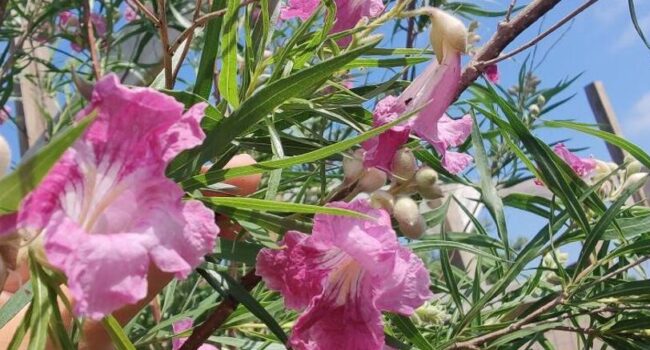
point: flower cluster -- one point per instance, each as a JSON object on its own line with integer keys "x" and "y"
{"x": 69, "y": 24}
{"x": 106, "y": 208}
{"x": 343, "y": 276}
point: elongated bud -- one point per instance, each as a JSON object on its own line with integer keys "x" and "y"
{"x": 381, "y": 199}
{"x": 372, "y": 180}
{"x": 634, "y": 180}
{"x": 447, "y": 32}
{"x": 414, "y": 230}
{"x": 406, "y": 210}
{"x": 404, "y": 165}
{"x": 541, "y": 100}
{"x": 353, "y": 165}
{"x": 5, "y": 156}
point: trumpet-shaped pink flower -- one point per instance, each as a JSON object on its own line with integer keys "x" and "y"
{"x": 302, "y": 9}
{"x": 431, "y": 92}
{"x": 581, "y": 166}
{"x": 181, "y": 326}
{"x": 343, "y": 276}
{"x": 106, "y": 210}
{"x": 492, "y": 73}
{"x": 348, "y": 13}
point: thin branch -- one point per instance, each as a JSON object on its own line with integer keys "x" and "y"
{"x": 164, "y": 39}
{"x": 186, "y": 48}
{"x": 219, "y": 315}
{"x": 510, "y": 8}
{"x": 200, "y": 22}
{"x": 538, "y": 38}
{"x": 90, "y": 38}
{"x": 146, "y": 12}
{"x": 475, "y": 342}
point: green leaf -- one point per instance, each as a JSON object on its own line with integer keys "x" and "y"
{"x": 489, "y": 192}
{"x": 406, "y": 326}
{"x": 238, "y": 251}
{"x": 625, "y": 289}
{"x": 115, "y": 331}
{"x": 205, "y": 73}
{"x": 268, "y": 99}
{"x": 636, "y": 24}
{"x": 16, "y": 303}
{"x": 215, "y": 176}
{"x": 228, "y": 74}
{"x": 29, "y": 174}
{"x": 280, "y": 207}
{"x": 227, "y": 286}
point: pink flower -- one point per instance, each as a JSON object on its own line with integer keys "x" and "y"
{"x": 181, "y": 326}
{"x": 492, "y": 73}
{"x": 348, "y": 13}
{"x": 431, "y": 93}
{"x": 302, "y": 9}
{"x": 106, "y": 210}
{"x": 4, "y": 114}
{"x": 68, "y": 18}
{"x": 99, "y": 22}
{"x": 343, "y": 276}
{"x": 130, "y": 14}
{"x": 581, "y": 166}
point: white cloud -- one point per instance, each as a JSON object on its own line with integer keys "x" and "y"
{"x": 610, "y": 12}
{"x": 638, "y": 121}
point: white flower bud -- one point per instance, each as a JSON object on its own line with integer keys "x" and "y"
{"x": 447, "y": 32}
{"x": 541, "y": 100}
{"x": 435, "y": 203}
{"x": 426, "y": 177}
{"x": 415, "y": 230}
{"x": 5, "y": 156}
{"x": 534, "y": 110}
{"x": 634, "y": 180}
{"x": 431, "y": 192}
{"x": 404, "y": 165}
{"x": 634, "y": 167}
{"x": 353, "y": 165}
{"x": 372, "y": 180}
{"x": 381, "y": 199}
{"x": 406, "y": 211}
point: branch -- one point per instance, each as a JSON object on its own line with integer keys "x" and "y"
{"x": 219, "y": 315}
{"x": 186, "y": 48}
{"x": 189, "y": 31}
{"x": 474, "y": 343}
{"x": 505, "y": 34}
{"x": 92, "y": 44}
{"x": 146, "y": 12}
{"x": 164, "y": 39}
{"x": 538, "y": 38}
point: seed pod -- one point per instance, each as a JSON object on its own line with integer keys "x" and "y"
{"x": 353, "y": 166}
{"x": 5, "y": 156}
{"x": 372, "y": 180}
{"x": 381, "y": 199}
{"x": 404, "y": 165}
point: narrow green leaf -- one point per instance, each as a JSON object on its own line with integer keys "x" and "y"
{"x": 16, "y": 303}
{"x": 228, "y": 74}
{"x": 280, "y": 207}
{"x": 29, "y": 174}
{"x": 636, "y": 24}
{"x": 205, "y": 73}
{"x": 406, "y": 326}
{"x": 115, "y": 331}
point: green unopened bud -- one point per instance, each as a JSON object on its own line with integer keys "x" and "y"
{"x": 426, "y": 177}
{"x": 372, "y": 180}
{"x": 430, "y": 314}
{"x": 353, "y": 165}
{"x": 633, "y": 167}
{"x": 408, "y": 217}
{"x": 381, "y": 199}
{"x": 541, "y": 100}
{"x": 534, "y": 110}
{"x": 5, "y": 156}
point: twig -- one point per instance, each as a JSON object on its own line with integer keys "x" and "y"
{"x": 90, "y": 38}
{"x": 617, "y": 271}
{"x": 505, "y": 34}
{"x": 219, "y": 315}
{"x": 510, "y": 8}
{"x": 146, "y": 12}
{"x": 475, "y": 342}
{"x": 538, "y": 38}
{"x": 201, "y": 21}
{"x": 164, "y": 39}
{"x": 186, "y": 48}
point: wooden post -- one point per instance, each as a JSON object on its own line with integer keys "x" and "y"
{"x": 607, "y": 121}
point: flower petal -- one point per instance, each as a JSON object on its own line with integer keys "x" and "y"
{"x": 454, "y": 132}
{"x": 408, "y": 287}
{"x": 456, "y": 162}
{"x": 581, "y": 166}
{"x": 294, "y": 270}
